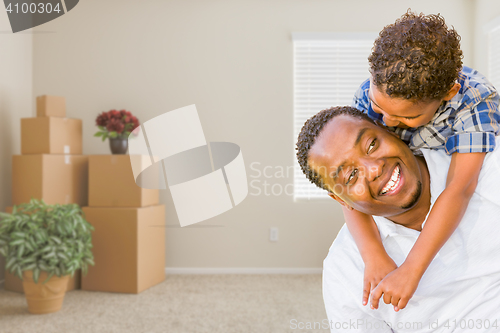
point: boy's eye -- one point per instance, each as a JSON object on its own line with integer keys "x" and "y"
{"x": 351, "y": 176}
{"x": 372, "y": 145}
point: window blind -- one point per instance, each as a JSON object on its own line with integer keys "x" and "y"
{"x": 328, "y": 69}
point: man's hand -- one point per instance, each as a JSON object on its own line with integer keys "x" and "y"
{"x": 397, "y": 287}
{"x": 375, "y": 270}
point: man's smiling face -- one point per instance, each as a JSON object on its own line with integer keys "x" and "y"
{"x": 366, "y": 166}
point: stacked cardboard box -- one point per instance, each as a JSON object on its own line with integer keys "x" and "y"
{"x": 50, "y": 166}
{"x": 129, "y": 235}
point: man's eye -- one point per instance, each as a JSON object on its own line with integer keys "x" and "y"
{"x": 372, "y": 145}
{"x": 351, "y": 176}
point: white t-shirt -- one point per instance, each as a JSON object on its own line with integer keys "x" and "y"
{"x": 459, "y": 292}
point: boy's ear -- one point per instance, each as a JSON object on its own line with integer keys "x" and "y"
{"x": 453, "y": 91}
{"x": 339, "y": 200}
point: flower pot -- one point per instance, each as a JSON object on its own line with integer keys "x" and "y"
{"x": 44, "y": 297}
{"x": 118, "y": 145}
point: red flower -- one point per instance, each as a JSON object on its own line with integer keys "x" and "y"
{"x": 115, "y": 114}
{"x": 115, "y": 125}
{"x": 117, "y": 121}
{"x": 125, "y": 113}
{"x": 102, "y": 119}
{"x": 135, "y": 121}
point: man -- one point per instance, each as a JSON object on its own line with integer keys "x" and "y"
{"x": 356, "y": 161}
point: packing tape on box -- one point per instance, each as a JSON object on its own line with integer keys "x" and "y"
{"x": 205, "y": 179}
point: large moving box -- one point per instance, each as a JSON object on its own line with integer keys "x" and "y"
{"x": 50, "y": 106}
{"x": 128, "y": 248}
{"x": 59, "y": 179}
{"x": 112, "y": 183}
{"x": 51, "y": 135}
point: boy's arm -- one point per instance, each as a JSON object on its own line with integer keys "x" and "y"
{"x": 367, "y": 238}
{"x": 447, "y": 212}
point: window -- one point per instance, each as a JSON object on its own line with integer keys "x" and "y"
{"x": 328, "y": 69}
{"x": 492, "y": 29}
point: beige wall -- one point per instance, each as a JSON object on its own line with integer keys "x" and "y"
{"x": 15, "y": 102}
{"x": 233, "y": 59}
{"x": 486, "y": 11}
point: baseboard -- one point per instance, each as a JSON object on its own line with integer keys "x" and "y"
{"x": 241, "y": 270}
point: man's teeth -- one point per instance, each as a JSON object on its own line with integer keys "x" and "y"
{"x": 393, "y": 182}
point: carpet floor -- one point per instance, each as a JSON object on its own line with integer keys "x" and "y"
{"x": 181, "y": 304}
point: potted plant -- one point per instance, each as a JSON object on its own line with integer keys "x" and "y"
{"x": 43, "y": 245}
{"x": 117, "y": 126}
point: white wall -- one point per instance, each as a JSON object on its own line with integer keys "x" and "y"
{"x": 233, "y": 59}
{"x": 15, "y": 102}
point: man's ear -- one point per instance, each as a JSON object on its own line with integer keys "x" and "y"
{"x": 453, "y": 91}
{"x": 339, "y": 200}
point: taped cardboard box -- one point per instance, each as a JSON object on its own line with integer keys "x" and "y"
{"x": 128, "y": 247}
{"x": 59, "y": 179}
{"x": 112, "y": 183}
{"x": 50, "y": 106}
{"x": 14, "y": 283}
{"x": 51, "y": 135}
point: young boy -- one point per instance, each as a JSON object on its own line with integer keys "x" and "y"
{"x": 419, "y": 89}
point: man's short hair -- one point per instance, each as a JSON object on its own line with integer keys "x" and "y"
{"x": 312, "y": 129}
{"x": 416, "y": 58}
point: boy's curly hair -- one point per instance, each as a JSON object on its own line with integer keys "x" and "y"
{"x": 416, "y": 58}
{"x": 312, "y": 129}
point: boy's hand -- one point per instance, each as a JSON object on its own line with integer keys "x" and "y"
{"x": 376, "y": 270}
{"x": 397, "y": 287}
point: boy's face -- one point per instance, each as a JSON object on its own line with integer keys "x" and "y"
{"x": 399, "y": 112}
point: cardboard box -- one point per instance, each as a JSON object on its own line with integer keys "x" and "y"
{"x": 112, "y": 183}
{"x": 128, "y": 248}
{"x": 51, "y": 135}
{"x": 50, "y": 106}
{"x": 13, "y": 283}
{"x": 59, "y": 179}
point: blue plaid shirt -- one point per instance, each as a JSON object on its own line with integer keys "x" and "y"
{"x": 468, "y": 123}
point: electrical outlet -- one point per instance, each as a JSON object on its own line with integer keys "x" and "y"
{"x": 273, "y": 234}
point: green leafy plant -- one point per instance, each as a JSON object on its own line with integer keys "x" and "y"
{"x": 52, "y": 238}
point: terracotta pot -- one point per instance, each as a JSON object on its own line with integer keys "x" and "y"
{"x": 44, "y": 298}
{"x": 118, "y": 145}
